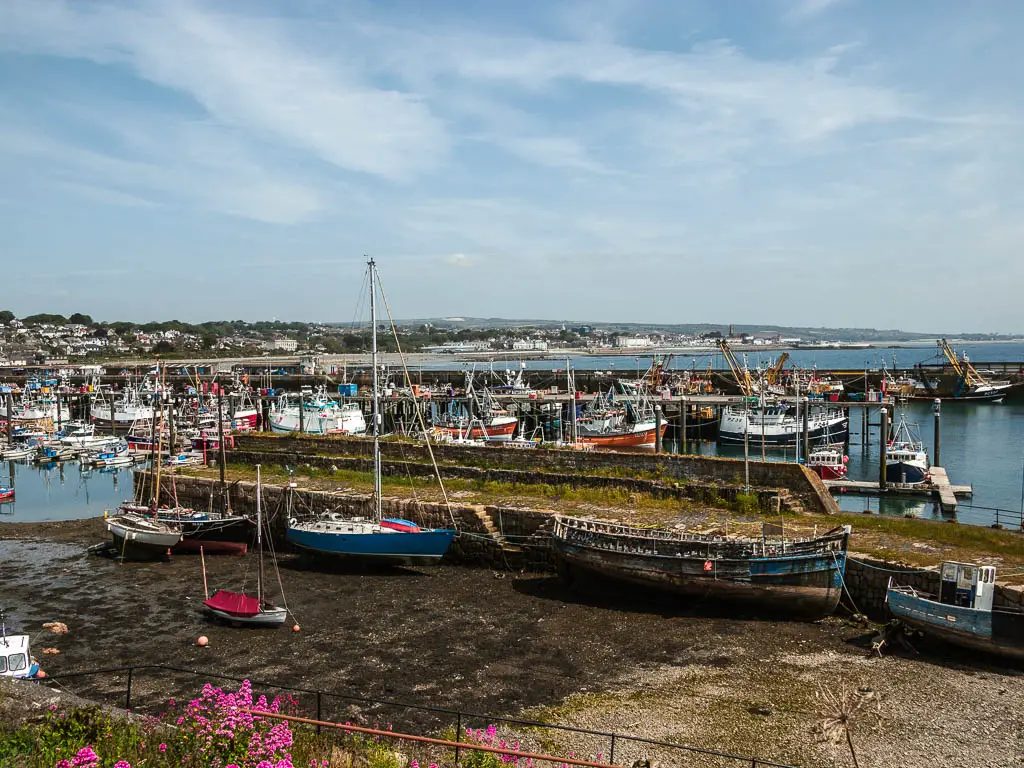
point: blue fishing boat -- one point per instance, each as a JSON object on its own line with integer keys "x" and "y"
{"x": 797, "y": 577}
{"x": 378, "y": 539}
{"x": 962, "y": 612}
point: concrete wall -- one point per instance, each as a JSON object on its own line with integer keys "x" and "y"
{"x": 804, "y": 487}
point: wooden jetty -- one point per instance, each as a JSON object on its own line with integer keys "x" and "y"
{"x": 940, "y": 487}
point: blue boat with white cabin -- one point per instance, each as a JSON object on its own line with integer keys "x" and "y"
{"x": 962, "y": 613}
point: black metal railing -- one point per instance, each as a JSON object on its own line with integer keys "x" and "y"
{"x": 616, "y": 742}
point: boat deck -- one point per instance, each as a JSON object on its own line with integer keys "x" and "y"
{"x": 939, "y": 487}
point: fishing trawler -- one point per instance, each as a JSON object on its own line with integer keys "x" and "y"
{"x": 778, "y": 424}
{"x": 801, "y": 577}
{"x": 316, "y": 414}
{"x": 828, "y": 462}
{"x": 906, "y": 459}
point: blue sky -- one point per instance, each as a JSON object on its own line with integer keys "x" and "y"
{"x": 812, "y": 162}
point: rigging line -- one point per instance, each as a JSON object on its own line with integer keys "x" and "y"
{"x": 889, "y": 570}
{"x": 416, "y": 403}
{"x": 277, "y": 569}
{"x": 842, "y": 580}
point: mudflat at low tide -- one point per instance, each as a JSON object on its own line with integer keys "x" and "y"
{"x": 508, "y": 644}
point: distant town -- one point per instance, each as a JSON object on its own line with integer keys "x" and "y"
{"x": 51, "y": 339}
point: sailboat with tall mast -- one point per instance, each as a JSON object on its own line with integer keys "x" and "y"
{"x": 238, "y": 607}
{"x": 380, "y": 539}
{"x": 138, "y": 533}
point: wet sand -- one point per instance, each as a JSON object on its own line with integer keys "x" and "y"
{"x": 455, "y": 637}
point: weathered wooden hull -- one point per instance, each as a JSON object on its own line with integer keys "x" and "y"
{"x": 797, "y": 578}
{"x": 805, "y": 587}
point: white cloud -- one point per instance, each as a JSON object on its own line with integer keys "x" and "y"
{"x": 244, "y": 74}
{"x": 459, "y": 260}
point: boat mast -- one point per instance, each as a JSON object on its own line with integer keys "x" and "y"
{"x": 159, "y": 447}
{"x": 375, "y": 413}
{"x": 259, "y": 537}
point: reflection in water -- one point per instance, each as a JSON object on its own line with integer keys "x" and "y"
{"x": 62, "y": 491}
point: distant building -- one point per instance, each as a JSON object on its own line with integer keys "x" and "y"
{"x": 520, "y": 345}
{"x": 633, "y": 342}
{"x": 281, "y": 345}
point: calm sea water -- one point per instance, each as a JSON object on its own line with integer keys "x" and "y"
{"x": 982, "y": 445}
{"x": 61, "y": 492}
{"x": 901, "y": 356}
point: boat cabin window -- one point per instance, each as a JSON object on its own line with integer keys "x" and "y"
{"x": 3, "y": 664}
{"x": 17, "y": 662}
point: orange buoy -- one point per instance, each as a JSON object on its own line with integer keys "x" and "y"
{"x": 295, "y": 628}
{"x": 203, "y": 641}
{"x": 40, "y": 675}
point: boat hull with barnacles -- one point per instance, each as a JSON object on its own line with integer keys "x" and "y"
{"x": 801, "y": 578}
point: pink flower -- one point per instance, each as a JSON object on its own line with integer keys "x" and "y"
{"x": 63, "y": 764}
{"x": 414, "y": 764}
{"x": 162, "y": 747}
{"x": 122, "y": 764}
{"x": 86, "y": 758}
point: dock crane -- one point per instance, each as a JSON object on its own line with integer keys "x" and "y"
{"x": 771, "y": 376}
{"x": 969, "y": 376}
{"x": 741, "y": 374}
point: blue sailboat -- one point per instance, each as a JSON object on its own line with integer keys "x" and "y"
{"x": 379, "y": 540}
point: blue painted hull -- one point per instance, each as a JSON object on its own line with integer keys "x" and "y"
{"x": 1000, "y": 631}
{"x": 399, "y": 547}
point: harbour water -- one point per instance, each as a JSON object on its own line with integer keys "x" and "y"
{"x": 61, "y": 491}
{"x": 982, "y": 445}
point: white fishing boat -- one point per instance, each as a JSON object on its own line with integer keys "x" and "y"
{"x": 133, "y": 404}
{"x": 316, "y": 414}
{"x": 16, "y": 658}
{"x": 778, "y": 424}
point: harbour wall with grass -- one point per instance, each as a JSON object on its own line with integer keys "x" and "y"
{"x": 796, "y": 488}
{"x": 504, "y": 537}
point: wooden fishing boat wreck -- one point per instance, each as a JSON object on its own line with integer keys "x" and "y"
{"x": 962, "y": 613}
{"x": 796, "y": 577}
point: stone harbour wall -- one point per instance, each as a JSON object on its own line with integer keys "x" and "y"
{"x": 802, "y": 485}
{"x": 770, "y": 501}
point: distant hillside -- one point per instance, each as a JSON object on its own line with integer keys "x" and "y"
{"x": 843, "y": 334}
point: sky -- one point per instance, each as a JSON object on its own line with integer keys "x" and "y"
{"x": 840, "y": 163}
